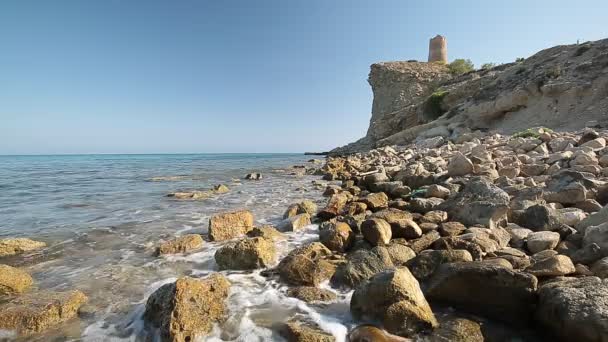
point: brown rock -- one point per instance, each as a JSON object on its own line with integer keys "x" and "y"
{"x": 376, "y": 231}
{"x": 334, "y": 206}
{"x": 311, "y": 294}
{"x": 13, "y": 280}
{"x": 296, "y": 332}
{"x": 10, "y": 247}
{"x": 338, "y": 236}
{"x": 295, "y": 223}
{"x": 376, "y": 201}
{"x": 230, "y": 225}
{"x": 267, "y": 232}
{"x": 306, "y": 265}
{"x": 181, "y": 244}
{"x": 246, "y": 254}
{"x": 451, "y": 228}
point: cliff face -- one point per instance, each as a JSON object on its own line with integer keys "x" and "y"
{"x": 562, "y": 88}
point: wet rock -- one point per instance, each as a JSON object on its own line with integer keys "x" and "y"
{"x": 311, "y": 294}
{"x": 361, "y": 265}
{"x": 187, "y": 309}
{"x": 334, "y": 207}
{"x": 376, "y": 231}
{"x": 13, "y": 280}
{"x": 425, "y": 263}
{"x": 459, "y": 165}
{"x": 338, "y": 236}
{"x": 540, "y": 241}
{"x": 402, "y": 223}
{"x": 451, "y": 228}
{"x": 354, "y": 208}
{"x": 574, "y": 309}
{"x": 229, "y": 225}
{"x": 376, "y": 201}
{"x": 181, "y": 244}
{"x": 558, "y": 265}
{"x": 267, "y": 232}
{"x": 35, "y": 312}
{"x": 304, "y": 207}
{"x": 306, "y": 265}
{"x": 473, "y": 287}
{"x": 393, "y": 297}
{"x": 10, "y": 247}
{"x": 295, "y": 223}
{"x": 296, "y": 332}
{"x": 246, "y": 254}
{"x": 480, "y": 202}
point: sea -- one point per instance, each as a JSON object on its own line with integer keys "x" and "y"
{"x": 103, "y": 215}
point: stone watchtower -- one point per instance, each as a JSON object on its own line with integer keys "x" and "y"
{"x": 438, "y": 49}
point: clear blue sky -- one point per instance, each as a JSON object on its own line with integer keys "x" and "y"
{"x": 120, "y": 76}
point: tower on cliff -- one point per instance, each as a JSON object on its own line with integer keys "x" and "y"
{"x": 438, "y": 49}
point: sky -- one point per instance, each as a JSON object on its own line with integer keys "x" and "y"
{"x": 122, "y": 76}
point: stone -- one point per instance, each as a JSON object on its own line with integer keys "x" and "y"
{"x": 424, "y": 205}
{"x": 402, "y": 223}
{"x": 187, "y": 309}
{"x": 338, "y": 237}
{"x": 558, "y": 265}
{"x": 296, "y": 332}
{"x": 267, "y": 232}
{"x": 376, "y": 201}
{"x": 306, "y": 265}
{"x": 435, "y": 216}
{"x": 451, "y": 228}
{"x": 10, "y": 247}
{"x": 572, "y": 216}
{"x": 229, "y": 225}
{"x": 35, "y": 312}
{"x": 370, "y": 333}
{"x": 354, "y": 208}
{"x": 361, "y": 265}
{"x": 399, "y": 253}
{"x": 295, "y": 223}
{"x": 518, "y": 236}
{"x": 565, "y": 187}
{"x": 473, "y": 287}
{"x": 437, "y": 191}
{"x": 540, "y": 217}
{"x": 597, "y": 235}
{"x": 574, "y": 309}
{"x": 334, "y": 206}
{"x": 311, "y": 294}
{"x": 588, "y": 254}
{"x": 600, "y": 268}
{"x": 456, "y": 330}
{"x": 304, "y": 207}
{"x": 425, "y": 263}
{"x": 13, "y": 280}
{"x": 480, "y": 202}
{"x": 181, "y": 244}
{"x": 393, "y": 297}
{"x": 376, "y": 231}
{"x": 459, "y": 165}
{"x": 246, "y": 254}
{"x": 425, "y": 241}
{"x": 452, "y": 242}
{"x": 254, "y": 176}
{"x": 540, "y": 241}
{"x": 594, "y": 219}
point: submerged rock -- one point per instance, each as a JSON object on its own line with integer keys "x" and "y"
{"x": 246, "y": 254}
{"x": 10, "y": 247}
{"x": 229, "y": 225}
{"x": 181, "y": 244}
{"x": 13, "y": 280}
{"x": 187, "y": 309}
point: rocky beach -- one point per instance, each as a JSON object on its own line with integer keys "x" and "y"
{"x": 475, "y": 209}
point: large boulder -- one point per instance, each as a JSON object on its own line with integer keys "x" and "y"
{"x": 425, "y": 263}
{"x": 34, "y": 312}
{"x": 13, "y": 280}
{"x": 393, "y": 297}
{"x": 575, "y": 309}
{"x": 480, "y": 202}
{"x": 337, "y": 236}
{"x": 594, "y": 219}
{"x": 187, "y": 309}
{"x": 181, "y": 244}
{"x": 267, "y": 232}
{"x": 361, "y": 265}
{"x": 10, "y": 247}
{"x": 334, "y": 206}
{"x": 246, "y": 254}
{"x": 402, "y": 223}
{"x": 376, "y": 231}
{"x": 229, "y": 225}
{"x": 306, "y": 265}
{"x": 456, "y": 330}
{"x": 474, "y": 287}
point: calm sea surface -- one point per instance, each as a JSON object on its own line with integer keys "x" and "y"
{"x": 102, "y": 216}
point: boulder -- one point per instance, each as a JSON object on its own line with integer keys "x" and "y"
{"x": 459, "y": 165}
{"x": 376, "y": 201}
{"x": 296, "y": 332}
{"x": 574, "y": 309}
{"x": 306, "y": 265}
{"x": 229, "y": 225}
{"x": 435, "y": 216}
{"x": 10, "y": 247}
{"x": 424, "y": 205}
{"x": 361, "y": 265}
{"x": 402, "y": 223}
{"x": 473, "y": 287}
{"x": 540, "y": 217}
{"x": 425, "y": 241}
{"x": 600, "y": 268}
{"x": 370, "y": 333}
{"x": 246, "y": 254}
{"x": 558, "y": 265}
{"x": 399, "y": 253}
{"x": 267, "y": 232}
{"x": 589, "y": 254}
{"x": 35, "y": 312}
{"x": 597, "y": 235}
{"x": 452, "y": 242}
{"x": 187, "y": 309}
{"x": 540, "y": 241}
{"x": 311, "y": 294}
{"x": 295, "y": 223}
{"x": 334, "y": 206}
{"x": 451, "y": 228}
{"x": 594, "y": 219}
{"x": 13, "y": 280}
{"x": 456, "y": 330}
{"x": 480, "y": 202}
{"x": 181, "y": 244}
{"x": 304, "y": 207}
{"x": 376, "y": 231}
{"x": 424, "y": 264}
{"x": 518, "y": 235}
{"x": 437, "y": 191}
{"x": 338, "y": 236}
{"x": 393, "y": 297}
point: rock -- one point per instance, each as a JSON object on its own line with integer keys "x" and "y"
{"x": 13, "y": 280}
{"x": 399, "y": 253}
{"x": 369, "y": 333}
{"x": 187, "y": 309}
{"x": 296, "y": 332}
{"x": 246, "y": 254}
{"x": 480, "y": 202}
{"x": 587, "y": 255}
{"x": 597, "y": 235}
{"x": 565, "y": 188}
{"x": 311, "y": 294}
{"x": 600, "y": 268}
{"x": 459, "y": 165}
{"x": 574, "y": 309}
{"x": 572, "y": 216}
{"x": 354, "y": 208}
{"x": 435, "y": 216}
{"x": 376, "y": 231}
{"x": 10, "y": 247}
{"x": 540, "y": 217}
{"x": 540, "y": 241}
{"x": 424, "y": 242}
{"x": 425, "y": 263}
{"x": 254, "y": 176}
{"x": 376, "y": 201}
{"x": 338, "y": 237}
{"x": 518, "y": 236}
{"x": 424, "y": 205}
{"x": 457, "y": 330}
{"x": 304, "y": 207}
{"x": 473, "y": 287}
{"x": 558, "y": 265}
{"x": 402, "y": 223}
{"x": 437, "y": 191}
{"x": 306, "y": 265}
{"x": 35, "y": 312}
{"x": 229, "y": 225}
{"x": 334, "y": 207}
{"x": 451, "y": 242}
{"x": 451, "y": 228}
{"x": 594, "y": 219}
{"x": 361, "y": 265}
{"x": 395, "y": 298}
{"x": 295, "y": 223}
{"x": 181, "y": 244}
{"x": 267, "y": 232}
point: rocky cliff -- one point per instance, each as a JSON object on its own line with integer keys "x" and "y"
{"x": 562, "y": 88}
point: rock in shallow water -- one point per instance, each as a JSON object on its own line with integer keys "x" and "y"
{"x": 10, "y": 247}
{"x": 13, "y": 280}
{"x": 246, "y": 254}
{"x": 229, "y": 225}
{"x": 181, "y": 244}
{"x": 306, "y": 265}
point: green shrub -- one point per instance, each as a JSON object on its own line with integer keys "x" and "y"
{"x": 461, "y": 66}
{"x": 519, "y": 59}
{"x": 487, "y": 66}
{"x": 582, "y": 49}
{"x": 533, "y": 132}
{"x": 432, "y": 105}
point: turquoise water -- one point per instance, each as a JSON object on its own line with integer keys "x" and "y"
{"x": 103, "y": 215}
